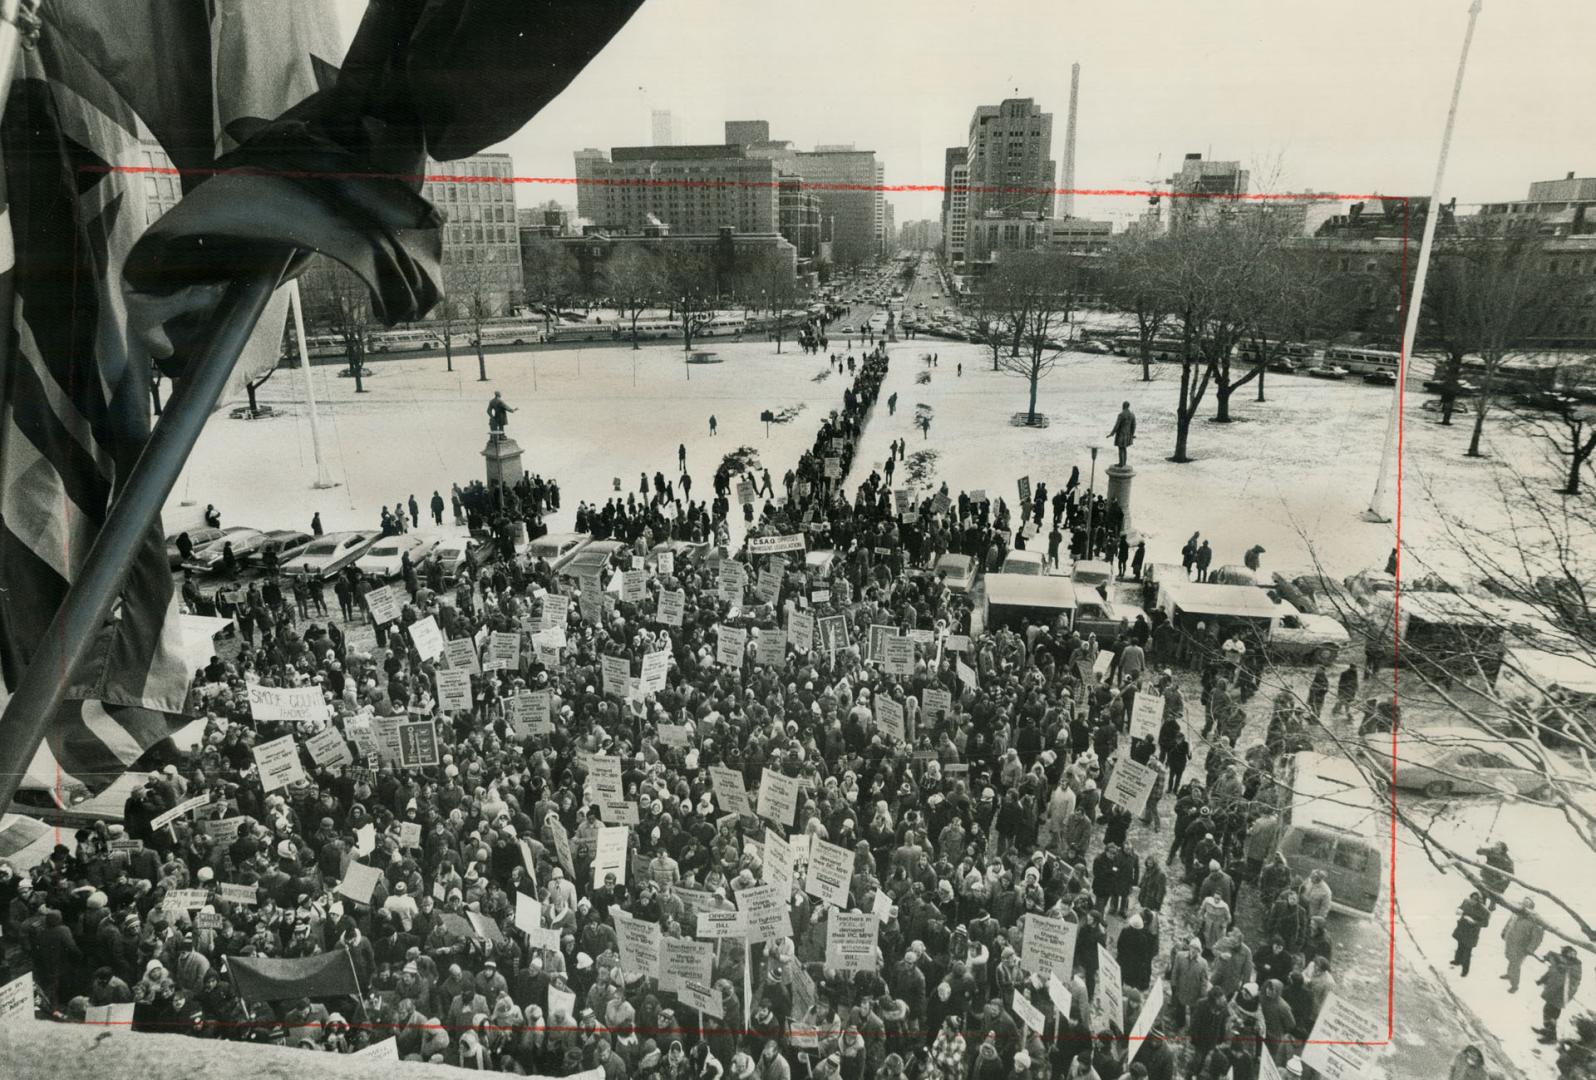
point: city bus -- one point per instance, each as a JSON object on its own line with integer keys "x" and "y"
{"x": 584, "y": 332}
{"x": 1375, "y": 365}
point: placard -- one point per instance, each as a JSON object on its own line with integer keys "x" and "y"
{"x": 966, "y": 674}
{"x": 289, "y": 704}
{"x": 719, "y": 925}
{"x": 833, "y": 468}
{"x": 830, "y": 872}
{"x": 223, "y": 830}
{"x": 162, "y": 820}
{"x": 427, "y": 638}
{"x": 683, "y": 960}
{"x": 604, "y": 780}
{"x": 16, "y": 999}
{"x": 1029, "y": 1014}
{"x": 765, "y": 910}
{"x": 801, "y": 630}
{"x": 851, "y": 941}
{"x": 889, "y": 717}
{"x": 1108, "y": 1002}
{"x": 656, "y": 665}
{"x": 777, "y": 862}
{"x": 454, "y": 689}
{"x": 1333, "y": 1049}
{"x": 1025, "y": 494}
{"x": 773, "y": 545}
{"x": 185, "y": 899}
{"x": 1152, "y": 1007}
{"x": 278, "y": 762}
{"x": 1048, "y": 947}
{"x": 359, "y": 882}
{"x": 634, "y": 585}
{"x": 730, "y": 643}
{"x": 957, "y": 643}
{"x": 383, "y": 603}
{"x": 730, "y": 792}
{"x": 327, "y": 748}
{"x": 409, "y": 834}
{"x": 610, "y": 855}
{"x": 120, "y": 1013}
{"x": 778, "y": 798}
{"x": 562, "y": 1003}
{"x": 673, "y": 735}
{"x": 638, "y": 942}
{"x": 1130, "y": 784}
{"x": 833, "y": 633}
{"x": 935, "y": 703}
{"x": 232, "y": 893}
{"x": 771, "y": 650}
{"x": 1147, "y": 715}
{"x": 703, "y": 999}
{"x": 418, "y": 745}
{"x": 504, "y": 651}
{"x": 665, "y": 563}
{"x": 897, "y": 656}
{"x": 615, "y": 671}
{"x": 670, "y": 607}
{"x": 745, "y": 492}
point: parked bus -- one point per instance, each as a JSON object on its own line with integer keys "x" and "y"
{"x": 1375, "y": 365}
{"x": 1285, "y": 356}
{"x": 583, "y": 332}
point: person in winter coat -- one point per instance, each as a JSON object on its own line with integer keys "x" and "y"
{"x": 1346, "y": 692}
{"x": 1559, "y": 985}
{"x": 1496, "y": 878}
{"x": 1280, "y": 1023}
{"x": 1468, "y": 1065}
{"x": 1210, "y": 1021}
{"x": 1471, "y": 916}
{"x": 1521, "y": 936}
{"x": 1188, "y": 979}
{"x": 1136, "y": 950}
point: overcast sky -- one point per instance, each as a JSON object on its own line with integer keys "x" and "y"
{"x": 1347, "y": 97}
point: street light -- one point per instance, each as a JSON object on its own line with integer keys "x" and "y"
{"x": 1091, "y": 482}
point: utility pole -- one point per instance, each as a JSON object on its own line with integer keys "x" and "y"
{"x": 322, "y": 480}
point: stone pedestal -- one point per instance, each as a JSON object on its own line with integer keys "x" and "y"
{"x": 503, "y": 457}
{"x": 1119, "y": 490}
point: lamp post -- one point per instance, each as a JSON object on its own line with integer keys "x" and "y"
{"x": 1091, "y": 482}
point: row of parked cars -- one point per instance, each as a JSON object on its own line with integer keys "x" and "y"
{"x": 299, "y": 553}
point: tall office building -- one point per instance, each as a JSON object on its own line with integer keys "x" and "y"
{"x": 481, "y": 241}
{"x": 664, "y": 128}
{"x": 1011, "y": 174}
{"x": 1198, "y": 192}
{"x": 587, "y": 196}
{"x": 955, "y": 201}
{"x": 692, "y": 189}
{"x": 847, "y": 183}
{"x": 747, "y": 132}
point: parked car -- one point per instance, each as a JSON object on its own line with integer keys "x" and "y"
{"x": 283, "y": 543}
{"x": 385, "y": 558}
{"x": 325, "y": 556}
{"x": 960, "y": 571}
{"x": 198, "y": 537}
{"x": 1459, "y": 760}
{"x": 591, "y": 559}
{"x": 207, "y": 558}
{"x": 458, "y": 555}
{"x": 1297, "y": 635}
{"x": 1023, "y": 562}
{"x": 1096, "y": 614}
{"x": 555, "y": 548}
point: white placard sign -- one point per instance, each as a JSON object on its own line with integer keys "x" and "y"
{"x": 634, "y": 585}
{"x": 765, "y": 910}
{"x": 1334, "y": 1049}
{"x": 655, "y": 667}
{"x": 1048, "y": 947}
{"x": 851, "y": 941}
{"x": 1130, "y": 784}
{"x": 615, "y": 671}
{"x": 683, "y": 960}
{"x": 889, "y": 718}
{"x": 454, "y": 689}
{"x": 778, "y": 798}
{"x": 701, "y": 998}
{"x": 290, "y": 704}
{"x": 665, "y": 563}
{"x": 1029, "y": 1014}
{"x": 383, "y": 603}
{"x": 801, "y": 630}
{"x": 160, "y": 821}
{"x": 638, "y": 942}
{"x": 328, "y": 748}
{"x": 934, "y": 703}
{"x": 730, "y": 792}
{"x": 830, "y": 872}
{"x": 1108, "y": 1003}
{"x": 504, "y": 651}
{"x": 610, "y": 855}
{"x": 359, "y": 881}
{"x": 462, "y": 654}
{"x": 771, "y": 650}
{"x": 1152, "y": 1006}
{"x": 722, "y": 924}
{"x": 897, "y": 656}
{"x": 670, "y": 607}
{"x": 1147, "y": 716}
{"x": 278, "y": 761}
{"x": 730, "y": 643}
{"x": 16, "y": 999}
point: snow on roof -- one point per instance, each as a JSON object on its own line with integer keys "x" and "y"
{"x": 1030, "y": 590}
{"x": 1241, "y": 601}
{"x": 1546, "y": 669}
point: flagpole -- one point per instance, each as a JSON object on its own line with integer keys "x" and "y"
{"x": 310, "y": 389}
{"x": 1376, "y": 510}
{"x": 82, "y": 614}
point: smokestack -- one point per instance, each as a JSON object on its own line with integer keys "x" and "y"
{"x": 1068, "y": 206}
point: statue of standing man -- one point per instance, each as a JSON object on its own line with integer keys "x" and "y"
{"x": 499, "y": 412}
{"x": 1124, "y": 430}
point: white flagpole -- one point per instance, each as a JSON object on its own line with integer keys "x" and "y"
{"x": 1376, "y": 511}
{"x": 322, "y": 480}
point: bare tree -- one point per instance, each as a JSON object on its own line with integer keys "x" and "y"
{"x": 550, "y": 276}
{"x": 779, "y": 293}
{"x": 1489, "y": 293}
{"x": 1131, "y": 283}
{"x": 988, "y": 309}
{"x": 1042, "y": 288}
{"x": 473, "y": 285}
{"x": 690, "y": 287}
{"x": 633, "y": 277}
{"x": 349, "y": 318}
{"x": 252, "y": 385}
{"x": 1564, "y": 418}
{"x": 445, "y": 315}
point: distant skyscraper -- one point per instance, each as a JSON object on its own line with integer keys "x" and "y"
{"x": 1197, "y": 192}
{"x": 846, "y": 181}
{"x": 1011, "y": 173}
{"x": 1067, "y": 207}
{"x": 693, "y": 189}
{"x": 664, "y": 128}
{"x": 955, "y": 201}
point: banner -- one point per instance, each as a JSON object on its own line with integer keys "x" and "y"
{"x": 160, "y": 821}
{"x": 851, "y": 941}
{"x": 290, "y": 704}
{"x": 730, "y": 792}
{"x": 454, "y": 690}
{"x": 259, "y": 978}
{"x": 278, "y": 761}
{"x": 778, "y": 798}
{"x": 830, "y": 872}
{"x": 774, "y": 545}
{"x": 427, "y": 638}
{"x": 1048, "y": 947}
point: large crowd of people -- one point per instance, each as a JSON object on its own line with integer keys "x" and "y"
{"x": 968, "y": 786}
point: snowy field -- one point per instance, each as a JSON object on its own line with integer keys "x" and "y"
{"x": 1291, "y": 474}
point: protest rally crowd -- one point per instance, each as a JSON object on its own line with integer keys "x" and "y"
{"x": 704, "y": 817}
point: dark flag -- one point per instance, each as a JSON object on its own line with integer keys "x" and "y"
{"x": 259, "y": 978}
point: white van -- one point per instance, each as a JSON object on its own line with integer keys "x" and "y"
{"x": 1336, "y": 823}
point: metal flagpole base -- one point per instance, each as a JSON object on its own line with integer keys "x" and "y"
{"x": 1375, "y": 516}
